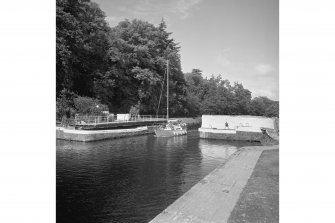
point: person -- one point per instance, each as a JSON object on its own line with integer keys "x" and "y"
{"x": 227, "y": 125}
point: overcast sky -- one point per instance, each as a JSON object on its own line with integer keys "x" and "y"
{"x": 238, "y": 39}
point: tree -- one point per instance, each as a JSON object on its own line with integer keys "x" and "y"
{"x": 139, "y": 51}
{"x": 263, "y": 106}
{"x": 194, "y": 92}
{"x": 272, "y": 110}
{"x": 215, "y": 95}
{"x": 81, "y": 45}
{"x": 242, "y": 98}
{"x": 65, "y": 108}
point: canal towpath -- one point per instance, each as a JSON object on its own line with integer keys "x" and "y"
{"x": 225, "y": 195}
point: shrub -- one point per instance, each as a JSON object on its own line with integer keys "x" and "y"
{"x": 134, "y": 110}
{"x": 89, "y": 106}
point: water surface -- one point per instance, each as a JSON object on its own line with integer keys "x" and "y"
{"x": 131, "y": 179}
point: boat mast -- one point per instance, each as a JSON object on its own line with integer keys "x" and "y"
{"x": 167, "y": 91}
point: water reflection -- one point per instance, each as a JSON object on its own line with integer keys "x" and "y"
{"x": 131, "y": 179}
{"x": 216, "y": 150}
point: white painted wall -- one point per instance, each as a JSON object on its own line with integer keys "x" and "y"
{"x": 226, "y": 131}
{"x": 237, "y": 122}
{"x": 123, "y": 117}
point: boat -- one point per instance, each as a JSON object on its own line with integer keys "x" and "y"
{"x": 173, "y": 127}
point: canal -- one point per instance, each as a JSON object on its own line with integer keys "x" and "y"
{"x": 131, "y": 179}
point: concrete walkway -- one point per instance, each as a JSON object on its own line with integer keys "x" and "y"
{"x": 214, "y": 198}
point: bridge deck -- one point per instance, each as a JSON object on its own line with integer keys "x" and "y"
{"x": 118, "y": 124}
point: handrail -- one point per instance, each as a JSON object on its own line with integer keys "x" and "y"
{"x": 94, "y": 120}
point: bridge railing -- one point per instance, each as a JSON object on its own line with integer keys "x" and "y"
{"x": 94, "y": 120}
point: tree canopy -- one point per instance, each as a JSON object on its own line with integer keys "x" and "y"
{"x": 124, "y": 68}
{"x": 81, "y": 45}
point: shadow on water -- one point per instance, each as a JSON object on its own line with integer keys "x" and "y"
{"x": 131, "y": 179}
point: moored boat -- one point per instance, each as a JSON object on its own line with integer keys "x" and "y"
{"x": 173, "y": 128}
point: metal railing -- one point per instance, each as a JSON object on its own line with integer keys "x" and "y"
{"x": 94, "y": 120}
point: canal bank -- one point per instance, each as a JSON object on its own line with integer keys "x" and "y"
{"x": 216, "y": 196}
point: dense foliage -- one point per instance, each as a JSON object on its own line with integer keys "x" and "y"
{"x": 264, "y": 107}
{"x": 218, "y": 96}
{"x": 138, "y": 55}
{"x": 81, "y": 46}
{"x": 69, "y": 104}
{"x": 123, "y": 69}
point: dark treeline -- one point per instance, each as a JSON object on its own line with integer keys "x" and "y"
{"x": 122, "y": 68}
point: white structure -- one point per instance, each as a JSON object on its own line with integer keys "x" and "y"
{"x": 241, "y": 123}
{"x": 123, "y": 117}
{"x": 239, "y": 127}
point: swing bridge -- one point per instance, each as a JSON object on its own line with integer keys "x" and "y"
{"x": 118, "y": 121}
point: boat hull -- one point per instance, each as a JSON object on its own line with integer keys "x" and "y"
{"x": 169, "y": 133}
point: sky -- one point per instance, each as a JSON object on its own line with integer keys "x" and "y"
{"x": 237, "y": 39}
